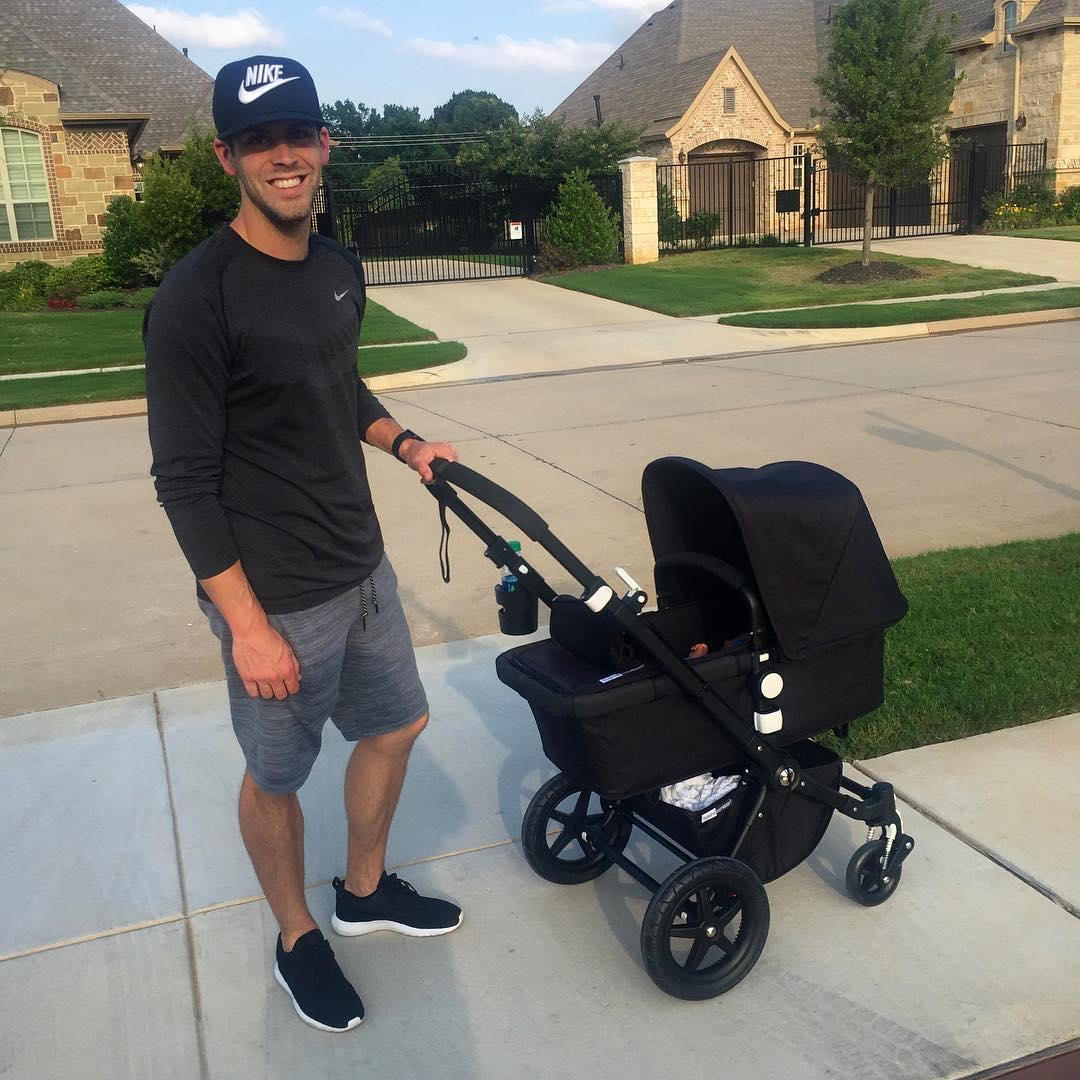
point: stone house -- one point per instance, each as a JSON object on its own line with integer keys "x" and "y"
{"x": 731, "y": 81}
{"x": 87, "y": 91}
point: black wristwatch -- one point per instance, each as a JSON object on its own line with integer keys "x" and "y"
{"x": 396, "y": 447}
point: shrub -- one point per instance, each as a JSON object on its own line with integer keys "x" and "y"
{"x": 1069, "y": 201}
{"x": 25, "y": 287}
{"x": 83, "y": 275}
{"x": 550, "y": 259}
{"x": 669, "y": 222}
{"x": 104, "y": 298}
{"x": 582, "y": 224}
{"x": 116, "y": 298}
{"x": 769, "y": 240}
{"x": 125, "y": 236}
{"x": 140, "y": 298}
{"x": 702, "y": 228}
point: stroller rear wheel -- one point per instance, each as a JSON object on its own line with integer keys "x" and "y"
{"x": 867, "y": 881}
{"x": 551, "y": 832}
{"x": 705, "y": 928}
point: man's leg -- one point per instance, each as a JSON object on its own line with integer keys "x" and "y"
{"x": 372, "y": 786}
{"x": 273, "y": 830}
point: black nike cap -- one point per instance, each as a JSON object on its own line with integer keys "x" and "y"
{"x": 262, "y": 90}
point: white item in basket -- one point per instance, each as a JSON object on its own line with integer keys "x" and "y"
{"x": 698, "y": 792}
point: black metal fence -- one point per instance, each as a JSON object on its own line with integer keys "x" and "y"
{"x": 442, "y": 223}
{"x": 744, "y": 202}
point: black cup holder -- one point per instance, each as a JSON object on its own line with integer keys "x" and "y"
{"x": 517, "y": 611}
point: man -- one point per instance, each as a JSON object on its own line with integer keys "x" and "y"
{"x": 256, "y": 412}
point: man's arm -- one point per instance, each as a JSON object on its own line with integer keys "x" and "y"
{"x": 416, "y": 453}
{"x": 187, "y": 359}
{"x": 263, "y": 658}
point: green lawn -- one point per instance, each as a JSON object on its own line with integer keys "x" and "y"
{"x": 1050, "y": 232}
{"x": 708, "y": 282}
{"x": 990, "y": 642}
{"x": 382, "y": 327}
{"x": 916, "y": 311}
{"x": 63, "y": 340}
{"x": 58, "y": 340}
{"x": 118, "y": 385}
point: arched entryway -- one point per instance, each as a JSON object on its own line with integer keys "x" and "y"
{"x": 725, "y": 182}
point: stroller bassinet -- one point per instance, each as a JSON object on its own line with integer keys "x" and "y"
{"x": 780, "y": 574}
{"x": 800, "y": 538}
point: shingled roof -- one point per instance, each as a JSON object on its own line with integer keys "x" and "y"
{"x": 653, "y": 77}
{"x": 107, "y": 61}
{"x": 1048, "y": 15}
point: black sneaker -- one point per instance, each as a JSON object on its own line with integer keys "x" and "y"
{"x": 321, "y": 995}
{"x": 394, "y": 905}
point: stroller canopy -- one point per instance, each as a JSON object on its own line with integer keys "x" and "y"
{"x": 800, "y": 531}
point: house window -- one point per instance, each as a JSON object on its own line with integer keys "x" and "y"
{"x": 24, "y": 191}
{"x": 1010, "y": 25}
{"x": 729, "y": 99}
{"x": 797, "y": 152}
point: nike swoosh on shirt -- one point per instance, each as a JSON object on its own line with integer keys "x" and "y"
{"x": 338, "y": 296}
{"x": 247, "y": 96}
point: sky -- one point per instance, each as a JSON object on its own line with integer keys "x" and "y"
{"x": 530, "y": 53}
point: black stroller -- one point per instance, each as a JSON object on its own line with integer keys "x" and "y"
{"x": 775, "y": 582}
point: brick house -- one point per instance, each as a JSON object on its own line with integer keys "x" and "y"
{"x": 731, "y": 80}
{"x": 87, "y": 91}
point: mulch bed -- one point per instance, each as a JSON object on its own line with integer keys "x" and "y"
{"x": 854, "y": 273}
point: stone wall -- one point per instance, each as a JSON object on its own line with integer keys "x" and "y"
{"x": 1066, "y": 154}
{"x": 985, "y": 96}
{"x": 752, "y": 121}
{"x": 85, "y": 168}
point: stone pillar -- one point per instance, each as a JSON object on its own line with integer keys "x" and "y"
{"x": 641, "y": 240}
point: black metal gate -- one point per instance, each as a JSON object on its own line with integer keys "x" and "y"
{"x": 739, "y": 202}
{"x": 444, "y": 224}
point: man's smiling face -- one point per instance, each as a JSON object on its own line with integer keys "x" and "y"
{"x": 278, "y": 166}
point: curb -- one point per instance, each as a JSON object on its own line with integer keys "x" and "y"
{"x": 414, "y": 380}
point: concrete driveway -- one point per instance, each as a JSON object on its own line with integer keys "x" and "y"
{"x": 966, "y": 439}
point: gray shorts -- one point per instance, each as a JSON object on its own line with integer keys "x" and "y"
{"x": 363, "y": 677}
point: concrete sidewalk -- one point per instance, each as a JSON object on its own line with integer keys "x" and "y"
{"x": 133, "y": 942}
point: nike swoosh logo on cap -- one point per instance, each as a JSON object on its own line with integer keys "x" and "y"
{"x": 247, "y": 96}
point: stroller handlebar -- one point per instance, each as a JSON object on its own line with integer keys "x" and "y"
{"x": 487, "y": 491}
{"x": 449, "y": 473}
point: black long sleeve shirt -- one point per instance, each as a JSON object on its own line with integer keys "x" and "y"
{"x": 256, "y": 411}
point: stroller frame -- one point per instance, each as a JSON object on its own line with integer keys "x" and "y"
{"x": 874, "y": 871}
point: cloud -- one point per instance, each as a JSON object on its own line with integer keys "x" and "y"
{"x": 508, "y": 54}
{"x": 637, "y": 8}
{"x": 240, "y": 30}
{"x": 354, "y": 17}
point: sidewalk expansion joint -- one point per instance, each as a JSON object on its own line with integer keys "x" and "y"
{"x": 975, "y": 845}
{"x": 189, "y": 934}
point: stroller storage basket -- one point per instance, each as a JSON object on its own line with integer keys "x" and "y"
{"x": 638, "y": 731}
{"x": 791, "y": 827}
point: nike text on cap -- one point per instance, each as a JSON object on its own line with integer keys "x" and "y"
{"x": 262, "y": 90}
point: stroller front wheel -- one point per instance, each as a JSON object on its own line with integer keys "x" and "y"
{"x": 551, "y": 832}
{"x": 705, "y": 928}
{"x": 867, "y": 881}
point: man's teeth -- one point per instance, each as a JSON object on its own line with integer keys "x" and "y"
{"x": 291, "y": 182}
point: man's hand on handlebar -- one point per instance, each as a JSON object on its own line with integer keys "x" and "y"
{"x": 419, "y": 455}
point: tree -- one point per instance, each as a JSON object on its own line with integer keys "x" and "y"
{"x": 548, "y": 147}
{"x": 887, "y": 84}
{"x": 472, "y": 110}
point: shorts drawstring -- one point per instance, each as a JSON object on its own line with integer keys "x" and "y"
{"x": 364, "y": 599}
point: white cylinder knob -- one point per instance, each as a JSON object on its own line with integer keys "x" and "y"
{"x": 772, "y": 685}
